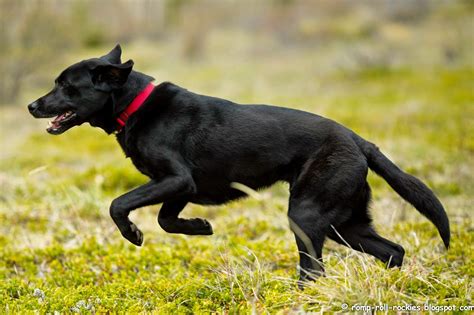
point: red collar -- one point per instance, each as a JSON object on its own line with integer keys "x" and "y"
{"x": 134, "y": 105}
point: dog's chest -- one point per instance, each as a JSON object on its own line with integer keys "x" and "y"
{"x": 129, "y": 148}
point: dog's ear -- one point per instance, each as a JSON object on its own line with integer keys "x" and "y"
{"x": 110, "y": 77}
{"x": 114, "y": 55}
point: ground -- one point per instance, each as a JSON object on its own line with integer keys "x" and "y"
{"x": 60, "y": 251}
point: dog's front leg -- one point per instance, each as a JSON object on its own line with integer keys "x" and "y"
{"x": 169, "y": 221}
{"x": 151, "y": 193}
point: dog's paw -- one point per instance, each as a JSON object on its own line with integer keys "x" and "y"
{"x": 200, "y": 227}
{"x": 134, "y": 235}
{"x": 309, "y": 276}
{"x": 195, "y": 226}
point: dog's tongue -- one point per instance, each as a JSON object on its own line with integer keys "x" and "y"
{"x": 56, "y": 121}
{"x": 59, "y": 118}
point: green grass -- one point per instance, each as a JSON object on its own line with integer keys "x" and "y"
{"x": 60, "y": 251}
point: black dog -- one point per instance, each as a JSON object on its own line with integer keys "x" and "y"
{"x": 193, "y": 147}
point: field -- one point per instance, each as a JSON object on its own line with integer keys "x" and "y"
{"x": 60, "y": 251}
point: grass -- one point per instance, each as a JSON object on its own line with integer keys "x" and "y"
{"x": 60, "y": 251}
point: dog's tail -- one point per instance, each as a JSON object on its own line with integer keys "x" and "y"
{"x": 407, "y": 186}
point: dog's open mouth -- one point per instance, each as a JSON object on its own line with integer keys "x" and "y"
{"x": 61, "y": 122}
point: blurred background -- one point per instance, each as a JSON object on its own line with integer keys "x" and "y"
{"x": 399, "y": 73}
{"x": 312, "y": 37}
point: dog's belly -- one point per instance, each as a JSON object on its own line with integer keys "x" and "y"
{"x": 218, "y": 191}
{"x": 208, "y": 198}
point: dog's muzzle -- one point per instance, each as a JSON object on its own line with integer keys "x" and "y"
{"x": 33, "y": 107}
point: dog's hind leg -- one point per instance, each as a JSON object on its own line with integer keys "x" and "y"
{"x": 169, "y": 221}
{"x": 358, "y": 233}
{"x": 362, "y": 237}
{"x": 319, "y": 196}
{"x": 310, "y": 225}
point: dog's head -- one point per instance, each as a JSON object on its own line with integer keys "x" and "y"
{"x": 81, "y": 92}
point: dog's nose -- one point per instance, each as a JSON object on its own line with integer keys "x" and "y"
{"x": 33, "y": 106}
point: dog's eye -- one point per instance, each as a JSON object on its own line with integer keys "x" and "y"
{"x": 63, "y": 85}
{"x": 69, "y": 89}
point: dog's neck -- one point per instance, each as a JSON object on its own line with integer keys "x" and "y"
{"x": 119, "y": 100}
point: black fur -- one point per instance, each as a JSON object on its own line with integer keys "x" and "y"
{"x": 193, "y": 147}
